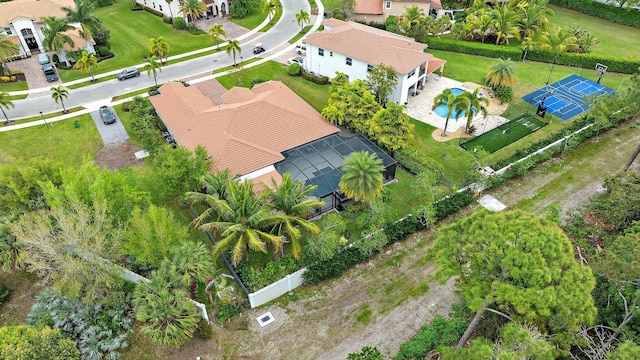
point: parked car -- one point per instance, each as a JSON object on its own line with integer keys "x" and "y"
{"x": 128, "y": 73}
{"x": 258, "y": 48}
{"x": 301, "y": 49}
{"x": 49, "y": 72}
{"x": 107, "y": 115}
{"x": 43, "y": 58}
{"x": 298, "y": 60}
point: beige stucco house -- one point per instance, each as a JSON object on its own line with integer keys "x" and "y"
{"x": 379, "y": 10}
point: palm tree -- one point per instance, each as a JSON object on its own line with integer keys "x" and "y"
{"x": 86, "y": 63}
{"x": 54, "y": 35}
{"x": 152, "y": 67}
{"x": 59, "y": 94}
{"x": 296, "y": 201}
{"x": 192, "y": 8}
{"x": 527, "y": 45}
{"x": 334, "y": 115}
{"x": 456, "y": 104}
{"x": 362, "y": 179}
{"x": 216, "y": 31}
{"x": 233, "y": 49}
{"x": 533, "y": 17}
{"x": 505, "y": 19}
{"x": 301, "y": 18}
{"x": 193, "y": 264}
{"x": 477, "y": 103}
{"x": 239, "y": 220}
{"x": 412, "y": 16}
{"x": 158, "y": 46}
{"x": 270, "y": 7}
{"x": 82, "y": 14}
{"x": 7, "y": 50}
{"x": 5, "y": 103}
{"x": 168, "y": 315}
{"x": 501, "y": 74}
{"x": 558, "y": 40}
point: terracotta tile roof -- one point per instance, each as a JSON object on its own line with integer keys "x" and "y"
{"x": 247, "y": 132}
{"x": 436, "y": 4}
{"x": 31, "y": 9}
{"x": 371, "y": 45}
{"x": 434, "y": 64}
{"x": 368, "y": 7}
{"x": 78, "y": 41}
{"x": 264, "y": 181}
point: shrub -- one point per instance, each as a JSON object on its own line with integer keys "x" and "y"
{"x": 294, "y": 69}
{"x": 193, "y": 30}
{"x": 257, "y": 81}
{"x": 166, "y": 20}
{"x": 417, "y": 162}
{"x": 204, "y": 330}
{"x": 228, "y": 311}
{"x": 4, "y": 293}
{"x": 275, "y": 270}
{"x": 5, "y": 78}
{"x": 100, "y": 34}
{"x": 452, "y": 203}
{"x": 624, "y": 16}
{"x": 366, "y": 353}
{"x": 439, "y": 332}
{"x": 504, "y": 93}
{"x": 321, "y": 80}
{"x": 152, "y": 11}
{"x": 179, "y": 23}
{"x": 104, "y": 51}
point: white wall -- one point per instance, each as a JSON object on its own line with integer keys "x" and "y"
{"x": 276, "y": 289}
{"x": 173, "y": 9}
{"x": 23, "y": 23}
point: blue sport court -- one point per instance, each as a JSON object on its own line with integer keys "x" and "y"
{"x": 568, "y": 97}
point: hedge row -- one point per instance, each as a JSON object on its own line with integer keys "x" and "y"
{"x": 585, "y": 61}
{"x": 624, "y": 16}
{"x": 416, "y": 161}
{"x": 274, "y": 270}
{"x": 439, "y": 332}
{"x": 398, "y": 230}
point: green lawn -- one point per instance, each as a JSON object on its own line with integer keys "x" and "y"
{"x": 615, "y": 40}
{"x": 13, "y": 86}
{"x": 252, "y": 20}
{"x": 130, "y": 34}
{"x": 505, "y": 134}
{"x": 63, "y": 142}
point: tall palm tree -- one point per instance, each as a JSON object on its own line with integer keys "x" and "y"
{"x": 86, "y": 63}
{"x": 54, "y": 35}
{"x": 240, "y": 220}
{"x": 301, "y": 18}
{"x": 477, "y": 103}
{"x": 412, "y": 17}
{"x": 233, "y": 49}
{"x": 456, "y": 104}
{"x": 296, "y": 201}
{"x": 559, "y": 39}
{"x": 505, "y": 20}
{"x": 152, "y": 67}
{"x": 158, "y": 46}
{"x": 5, "y": 103}
{"x": 362, "y": 180}
{"x": 216, "y": 32}
{"x": 82, "y": 14}
{"x": 270, "y": 7}
{"x": 169, "y": 317}
{"x": 501, "y": 74}
{"x": 334, "y": 115}
{"x": 193, "y": 9}
{"x": 59, "y": 94}
{"x": 7, "y": 50}
{"x": 534, "y": 17}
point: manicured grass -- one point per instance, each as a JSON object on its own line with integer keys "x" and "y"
{"x": 505, "y": 134}
{"x": 274, "y": 19}
{"x": 48, "y": 116}
{"x": 133, "y": 93}
{"x": 18, "y": 97}
{"x": 129, "y": 39}
{"x": 402, "y": 199}
{"x": 615, "y": 40}
{"x": 231, "y": 67}
{"x": 300, "y": 35}
{"x": 63, "y": 142}
{"x": 252, "y": 20}
{"x": 13, "y": 86}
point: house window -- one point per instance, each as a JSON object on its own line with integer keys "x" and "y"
{"x": 330, "y": 53}
{"x": 160, "y": 7}
{"x": 154, "y": 5}
{"x": 369, "y": 67}
{"x": 145, "y": 2}
{"x": 411, "y": 73}
{"x": 321, "y": 51}
{"x": 348, "y": 61}
{"x": 387, "y": 4}
{"x": 8, "y": 31}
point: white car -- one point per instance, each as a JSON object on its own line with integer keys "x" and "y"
{"x": 301, "y": 49}
{"x": 298, "y": 60}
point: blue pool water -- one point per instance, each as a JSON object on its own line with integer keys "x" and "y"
{"x": 442, "y": 109}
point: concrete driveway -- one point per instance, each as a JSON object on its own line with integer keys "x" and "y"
{"x": 113, "y": 133}
{"x": 33, "y": 72}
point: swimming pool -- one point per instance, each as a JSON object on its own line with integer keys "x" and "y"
{"x": 442, "y": 109}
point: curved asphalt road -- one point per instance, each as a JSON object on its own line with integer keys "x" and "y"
{"x": 102, "y": 93}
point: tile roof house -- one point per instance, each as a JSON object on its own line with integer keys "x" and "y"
{"x": 354, "y": 49}
{"x": 171, "y": 8}
{"x": 379, "y": 10}
{"x": 21, "y": 20}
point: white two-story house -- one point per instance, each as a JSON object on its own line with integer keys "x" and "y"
{"x": 354, "y": 49}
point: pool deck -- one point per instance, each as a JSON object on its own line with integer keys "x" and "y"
{"x": 419, "y": 107}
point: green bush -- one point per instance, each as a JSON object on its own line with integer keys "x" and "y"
{"x": 150, "y": 10}
{"x": 275, "y": 270}
{"x": 439, "y": 332}
{"x": 104, "y": 51}
{"x": 4, "y": 293}
{"x": 204, "y": 330}
{"x": 226, "y": 312}
{"x": 179, "y": 23}
{"x": 257, "y": 81}
{"x": 321, "y": 80}
{"x": 504, "y": 93}
{"x": 416, "y": 162}
{"x": 294, "y": 69}
{"x": 452, "y": 203}
{"x": 166, "y": 20}
{"x": 585, "y": 61}
{"x": 611, "y": 13}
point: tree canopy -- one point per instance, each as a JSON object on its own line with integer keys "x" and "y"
{"x": 24, "y": 342}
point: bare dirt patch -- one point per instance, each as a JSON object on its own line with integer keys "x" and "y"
{"x": 25, "y": 287}
{"x": 118, "y": 156}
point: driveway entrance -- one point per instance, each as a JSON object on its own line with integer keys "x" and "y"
{"x": 33, "y": 72}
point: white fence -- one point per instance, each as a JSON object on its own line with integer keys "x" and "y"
{"x": 276, "y": 289}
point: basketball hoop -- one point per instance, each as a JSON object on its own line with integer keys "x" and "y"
{"x": 601, "y": 69}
